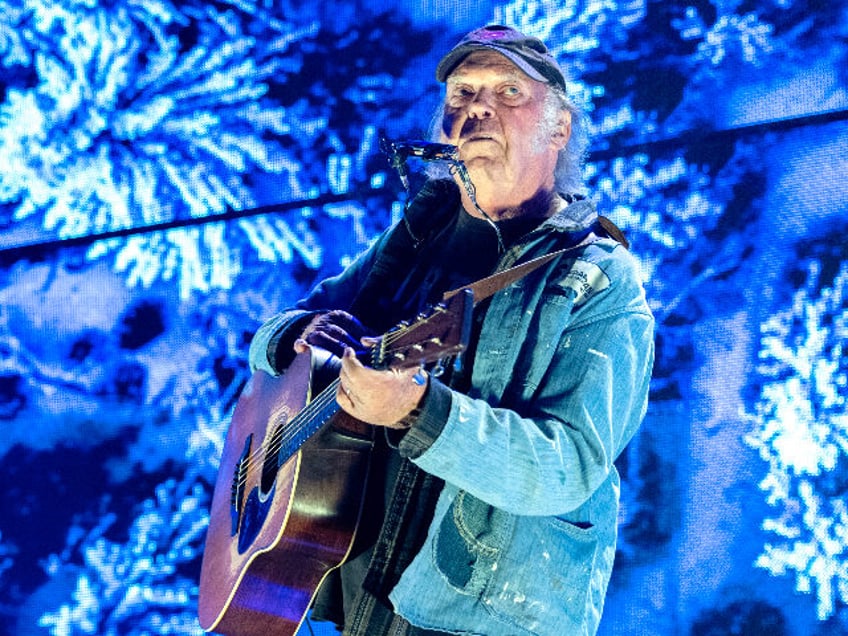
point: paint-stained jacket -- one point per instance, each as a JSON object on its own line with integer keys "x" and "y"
{"x": 524, "y": 532}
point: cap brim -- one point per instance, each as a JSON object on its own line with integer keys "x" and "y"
{"x": 454, "y": 58}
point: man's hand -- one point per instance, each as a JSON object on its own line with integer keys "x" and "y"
{"x": 333, "y": 331}
{"x": 382, "y": 398}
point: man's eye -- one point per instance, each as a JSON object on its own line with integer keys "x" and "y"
{"x": 460, "y": 96}
{"x": 511, "y": 91}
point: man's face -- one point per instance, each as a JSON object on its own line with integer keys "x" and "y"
{"x": 495, "y": 115}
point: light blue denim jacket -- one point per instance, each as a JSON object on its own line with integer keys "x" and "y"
{"x": 524, "y": 533}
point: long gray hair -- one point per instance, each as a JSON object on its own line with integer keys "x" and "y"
{"x": 568, "y": 174}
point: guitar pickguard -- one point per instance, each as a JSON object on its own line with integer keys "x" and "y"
{"x": 256, "y": 508}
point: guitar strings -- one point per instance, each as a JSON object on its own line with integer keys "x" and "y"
{"x": 274, "y": 443}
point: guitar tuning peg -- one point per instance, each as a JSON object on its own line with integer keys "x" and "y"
{"x": 403, "y": 324}
{"x": 439, "y": 369}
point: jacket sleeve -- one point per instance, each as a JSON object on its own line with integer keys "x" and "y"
{"x": 271, "y": 345}
{"x": 270, "y": 348}
{"x": 567, "y": 419}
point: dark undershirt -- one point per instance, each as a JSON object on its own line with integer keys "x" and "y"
{"x": 465, "y": 251}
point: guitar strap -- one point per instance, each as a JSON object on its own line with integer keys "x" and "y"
{"x": 489, "y": 285}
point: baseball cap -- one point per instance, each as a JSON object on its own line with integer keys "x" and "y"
{"x": 528, "y": 53}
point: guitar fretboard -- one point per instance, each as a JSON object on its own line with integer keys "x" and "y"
{"x": 306, "y": 423}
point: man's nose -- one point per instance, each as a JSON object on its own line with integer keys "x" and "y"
{"x": 481, "y": 106}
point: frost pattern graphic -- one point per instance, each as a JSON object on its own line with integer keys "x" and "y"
{"x": 142, "y": 112}
{"x": 743, "y": 38}
{"x": 135, "y": 587}
{"x": 119, "y": 114}
{"x": 800, "y": 429}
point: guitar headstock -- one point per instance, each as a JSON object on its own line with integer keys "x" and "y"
{"x": 440, "y": 331}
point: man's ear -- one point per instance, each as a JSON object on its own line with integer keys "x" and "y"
{"x": 562, "y": 130}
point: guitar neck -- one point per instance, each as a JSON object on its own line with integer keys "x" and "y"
{"x": 442, "y": 331}
{"x": 305, "y": 424}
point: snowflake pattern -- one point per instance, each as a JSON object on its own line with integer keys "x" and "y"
{"x": 800, "y": 429}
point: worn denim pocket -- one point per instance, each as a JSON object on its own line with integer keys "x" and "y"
{"x": 542, "y": 583}
{"x": 469, "y": 542}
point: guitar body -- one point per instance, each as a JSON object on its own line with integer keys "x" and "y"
{"x": 292, "y": 478}
{"x": 276, "y": 531}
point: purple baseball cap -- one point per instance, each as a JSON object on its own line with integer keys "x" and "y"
{"x": 527, "y": 53}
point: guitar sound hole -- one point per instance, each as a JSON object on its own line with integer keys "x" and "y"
{"x": 272, "y": 460}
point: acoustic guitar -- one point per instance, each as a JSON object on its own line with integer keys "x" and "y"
{"x": 292, "y": 477}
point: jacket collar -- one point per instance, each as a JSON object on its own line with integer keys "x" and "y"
{"x": 576, "y": 216}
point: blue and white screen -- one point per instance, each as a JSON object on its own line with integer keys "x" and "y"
{"x": 174, "y": 172}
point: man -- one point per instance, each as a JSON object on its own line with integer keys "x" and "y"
{"x": 493, "y": 498}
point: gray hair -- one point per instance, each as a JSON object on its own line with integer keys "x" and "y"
{"x": 568, "y": 174}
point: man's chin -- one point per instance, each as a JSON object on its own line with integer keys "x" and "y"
{"x": 486, "y": 167}
{"x": 481, "y": 161}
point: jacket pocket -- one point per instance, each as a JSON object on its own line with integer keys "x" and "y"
{"x": 469, "y": 541}
{"x": 543, "y": 582}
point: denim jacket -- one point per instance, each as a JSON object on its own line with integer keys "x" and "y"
{"x": 524, "y": 533}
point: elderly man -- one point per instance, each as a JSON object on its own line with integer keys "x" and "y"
{"x": 492, "y": 502}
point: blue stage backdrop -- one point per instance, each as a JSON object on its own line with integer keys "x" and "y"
{"x": 172, "y": 172}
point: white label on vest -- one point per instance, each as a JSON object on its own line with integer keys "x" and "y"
{"x": 585, "y": 279}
